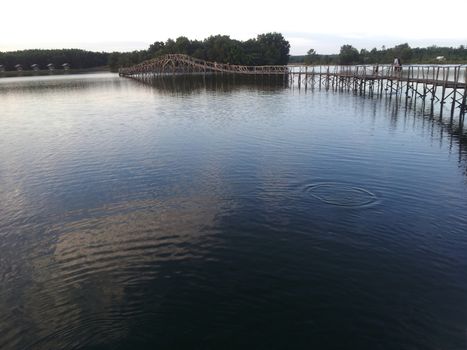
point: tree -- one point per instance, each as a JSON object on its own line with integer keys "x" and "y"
{"x": 364, "y": 56}
{"x": 311, "y": 56}
{"x": 182, "y": 45}
{"x": 274, "y": 48}
{"x": 403, "y": 51}
{"x": 156, "y": 47}
{"x": 348, "y": 55}
{"x": 221, "y": 48}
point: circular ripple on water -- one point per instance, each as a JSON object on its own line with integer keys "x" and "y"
{"x": 341, "y": 194}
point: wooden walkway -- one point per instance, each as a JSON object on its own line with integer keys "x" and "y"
{"x": 184, "y": 64}
{"x": 438, "y": 84}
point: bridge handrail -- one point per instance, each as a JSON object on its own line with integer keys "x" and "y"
{"x": 432, "y": 72}
{"x": 202, "y": 64}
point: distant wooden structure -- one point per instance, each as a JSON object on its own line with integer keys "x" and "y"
{"x": 66, "y": 66}
{"x": 19, "y": 67}
{"x": 51, "y": 67}
{"x": 35, "y": 67}
{"x": 437, "y": 83}
{"x": 184, "y": 64}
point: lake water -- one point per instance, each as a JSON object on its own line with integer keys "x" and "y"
{"x": 227, "y": 215}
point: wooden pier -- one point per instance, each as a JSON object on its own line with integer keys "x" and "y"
{"x": 443, "y": 86}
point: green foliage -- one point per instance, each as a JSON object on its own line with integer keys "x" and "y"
{"x": 364, "y": 56}
{"x": 297, "y": 59}
{"x": 126, "y": 59}
{"x": 273, "y": 49}
{"x": 311, "y": 57}
{"x": 221, "y": 48}
{"x": 349, "y": 55}
{"x": 265, "y": 49}
{"x": 154, "y": 48}
{"x": 403, "y": 51}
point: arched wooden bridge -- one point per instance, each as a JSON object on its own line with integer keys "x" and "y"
{"x": 184, "y": 64}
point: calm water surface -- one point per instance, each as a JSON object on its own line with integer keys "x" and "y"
{"x": 226, "y": 216}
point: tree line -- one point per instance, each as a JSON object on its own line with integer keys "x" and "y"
{"x": 74, "y": 57}
{"x": 350, "y": 55}
{"x": 265, "y": 49}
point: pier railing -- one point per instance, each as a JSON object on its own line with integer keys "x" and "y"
{"x": 442, "y": 74}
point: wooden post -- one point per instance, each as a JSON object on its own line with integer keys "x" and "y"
{"x": 456, "y": 78}
{"x": 433, "y": 89}
{"x": 381, "y": 82}
{"x": 313, "y": 78}
{"x": 464, "y": 100}
{"x": 408, "y": 82}
{"x": 443, "y": 91}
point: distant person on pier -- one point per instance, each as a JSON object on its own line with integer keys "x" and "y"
{"x": 397, "y": 64}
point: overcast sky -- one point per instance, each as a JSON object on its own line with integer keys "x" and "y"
{"x": 324, "y": 25}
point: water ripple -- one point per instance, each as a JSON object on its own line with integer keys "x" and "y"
{"x": 341, "y": 194}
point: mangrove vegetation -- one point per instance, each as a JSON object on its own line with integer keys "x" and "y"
{"x": 265, "y": 49}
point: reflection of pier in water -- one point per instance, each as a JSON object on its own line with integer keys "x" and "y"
{"x": 189, "y": 84}
{"x": 398, "y": 107}
{"x": 441, "y": 130}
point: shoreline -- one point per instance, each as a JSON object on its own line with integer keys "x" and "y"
{"x": 31, "y": 73}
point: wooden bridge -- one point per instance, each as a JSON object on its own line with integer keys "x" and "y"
{"x": 184, "y": 64}
{"x": 436, "y": 84}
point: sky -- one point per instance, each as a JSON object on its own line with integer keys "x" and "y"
{"x": 322, "y": 25}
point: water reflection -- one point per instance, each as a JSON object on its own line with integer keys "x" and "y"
{"x": 433, "y": 120}
{"x": 226, "y": 213}
{"x": 51, "y": 84}
{"x": 78, "y": 277}
{"x": 448, "y": 128}
{"x": 189, "y": 84}
{"x": 395, "y": 105}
